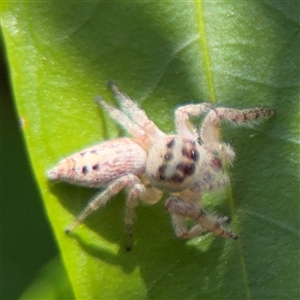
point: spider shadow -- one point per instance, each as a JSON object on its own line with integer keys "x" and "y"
{"x": 156, "y": 249}
{"x": 160, "y": 256}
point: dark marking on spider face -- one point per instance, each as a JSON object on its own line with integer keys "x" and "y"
{"x": 189, "y": 150}
{"x": 194, "y": 155}
{"x": 168, "y": 156}
{"x": 171, "y": 143}
{"x": 177, "y": 178}
{"x": 186, "y": 169}
{"x": 161, "y": 172}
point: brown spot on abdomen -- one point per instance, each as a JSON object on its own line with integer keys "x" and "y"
{"x": 84, "y": 170}
{"x": 95, "y": 167}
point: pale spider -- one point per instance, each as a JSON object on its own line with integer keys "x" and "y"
{"x": 184, "y": 165}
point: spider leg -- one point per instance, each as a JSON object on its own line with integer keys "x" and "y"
{"x": 131, "y": 204}
{"x": 112, "y": 189}
{"x": 205, "y": 222}
{"x": 138, "y": 191}
{"x": 134, "y": 129}
{"x": 181, "y": 230}
{"x": 247, "y": 117}
{"x": 137, "y": 114}
{"x": 183, "y": 125}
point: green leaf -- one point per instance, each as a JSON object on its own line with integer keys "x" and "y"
{"x": 51, "y": 283}
{"x": 164, "y": 54}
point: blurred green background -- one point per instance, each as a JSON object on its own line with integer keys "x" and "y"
{"x": 27, "y": 243}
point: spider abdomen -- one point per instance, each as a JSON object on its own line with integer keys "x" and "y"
{"x": 101, "y": 164}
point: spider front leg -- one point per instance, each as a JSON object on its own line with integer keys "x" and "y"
{"x": 181, "y": 209}
{"x": 183, "y": 125}
{"x": 136, "y": 188}
{"x": 246, "y": 117}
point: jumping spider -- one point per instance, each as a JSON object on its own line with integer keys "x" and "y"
{"x": 184, "y": 165}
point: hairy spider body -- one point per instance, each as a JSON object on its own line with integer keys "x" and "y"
{"x": 152, "y": 163}
{"x": 101, "y": 164}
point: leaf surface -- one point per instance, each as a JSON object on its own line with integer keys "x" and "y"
{"x": 165, "y": 54}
